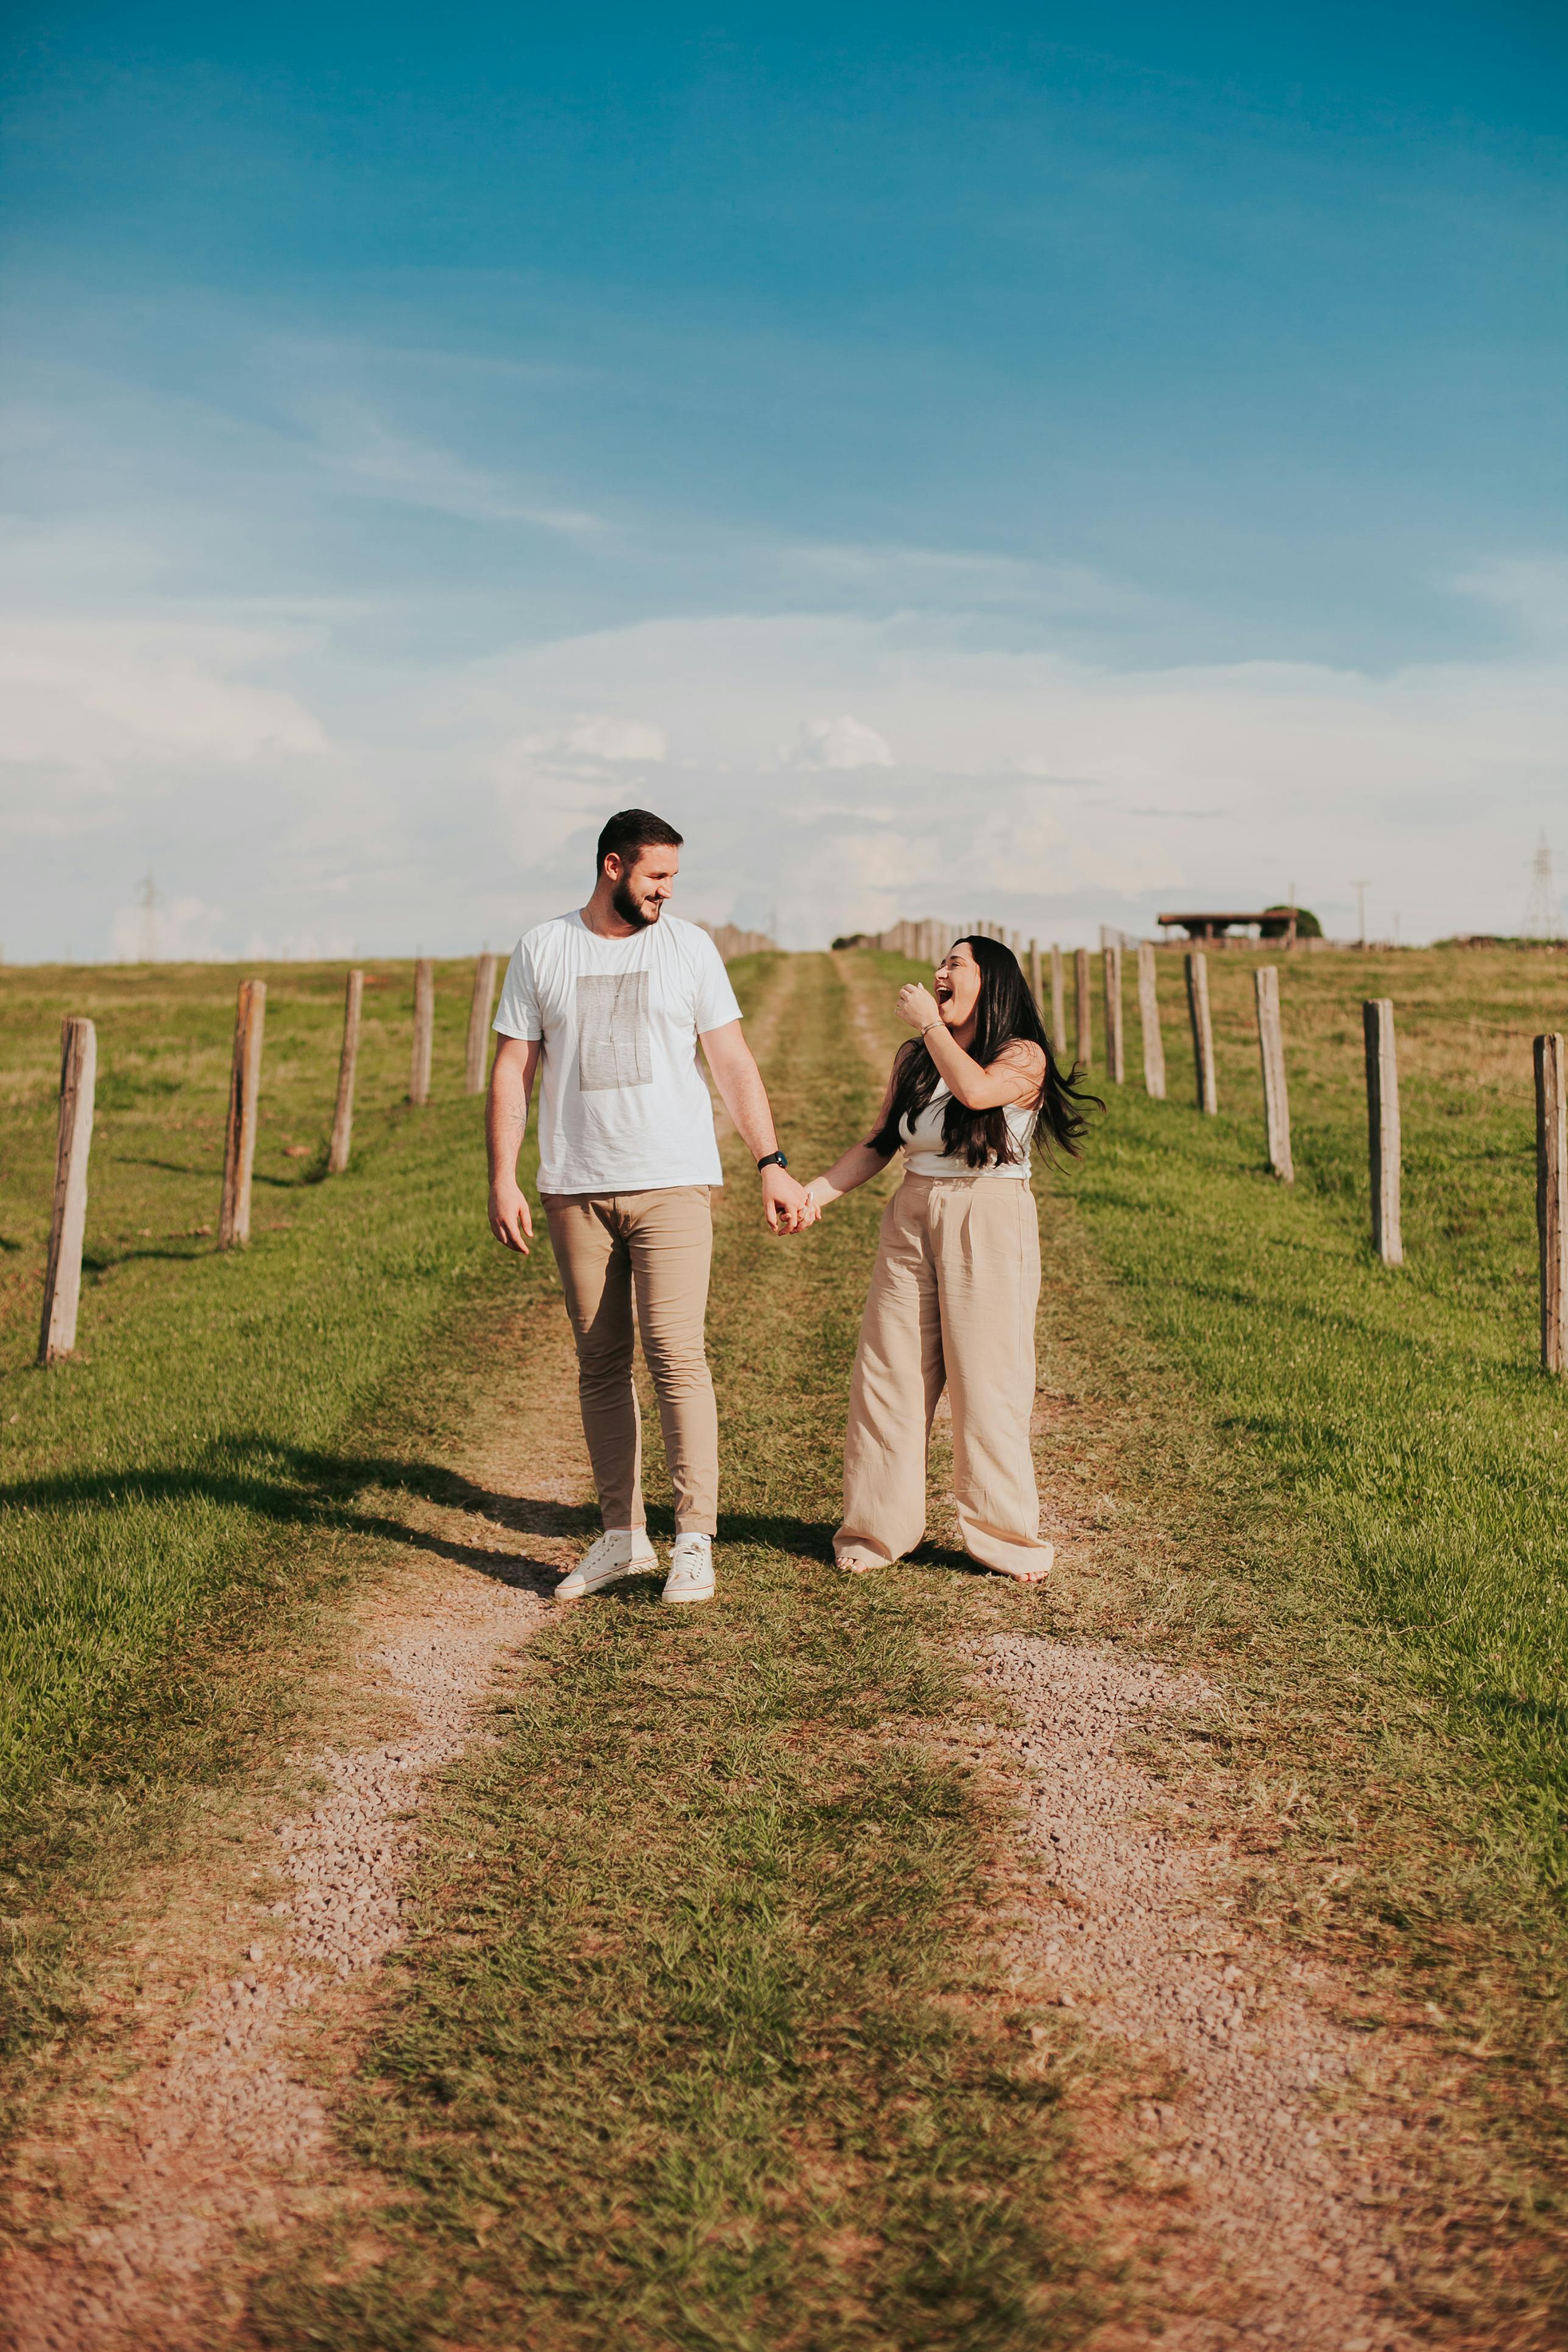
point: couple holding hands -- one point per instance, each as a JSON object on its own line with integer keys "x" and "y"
{"x": 604, "y": 1009}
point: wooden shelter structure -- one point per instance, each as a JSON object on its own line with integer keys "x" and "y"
{"x": 1273, "y": 923}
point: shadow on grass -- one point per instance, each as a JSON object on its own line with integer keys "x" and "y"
{"x": 168, "y": 1167}
{"x": 105, "y": 1261}
{"x": 182, "y": 1168}
{"x": 294, "y": 1486}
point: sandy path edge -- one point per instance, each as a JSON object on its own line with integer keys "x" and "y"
{"x": 205, "y": 2123}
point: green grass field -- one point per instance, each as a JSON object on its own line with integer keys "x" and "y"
{"x": 170, "y": 1493}
{"x": 702, "y": 2009}
{"x": 1399, "y": 1412}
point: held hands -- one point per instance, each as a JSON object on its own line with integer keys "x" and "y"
{"x": 511, "y": 1220}
{"x": 787, "y": 1206}
{"x": 917, "y": 1006}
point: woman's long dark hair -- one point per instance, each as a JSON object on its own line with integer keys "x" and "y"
{"x": 1005, "y": 1011}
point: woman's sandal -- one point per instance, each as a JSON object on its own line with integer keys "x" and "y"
{"x": 1024, "y": 1575}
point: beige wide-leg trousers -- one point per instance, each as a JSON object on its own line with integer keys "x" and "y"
{"x": 952, "y": 1300}
{"x": 655, "y": 1249}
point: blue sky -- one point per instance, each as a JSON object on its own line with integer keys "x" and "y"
{"x": 1051, "y": 464}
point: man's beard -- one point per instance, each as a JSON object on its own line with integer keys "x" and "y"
{"x": 634, "y": 911}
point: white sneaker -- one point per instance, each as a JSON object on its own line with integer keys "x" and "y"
{"x": 626, "y": 1552}
{"x": 690, "y": 1574}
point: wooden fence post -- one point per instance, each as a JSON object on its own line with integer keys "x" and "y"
{"x": 1382, "y": 1127}
{"x": 480, "y": 1023}
{"x": 1149, "y": 1022}
{"x": 1275, "y": 1098}
{"x": 1115, "y": 1058}
{"x": 239, "y": 1138}
{"x": 1203, "y": 1033}
{"x": 1035, "y": 976}
{"x": 1082, "y": 1009}
{"x": 343, "y": 1115}
{"x": 1058, "y": 1007}
{"x": 67, "y": 1218}
{"x": 424, "y": 1031}
{"x": 1551, "y": 1205}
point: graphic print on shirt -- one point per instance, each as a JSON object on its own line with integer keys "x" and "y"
{"x": 615, "y": 1043}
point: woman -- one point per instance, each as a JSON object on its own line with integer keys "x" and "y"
{"x": 957, "y": 1277}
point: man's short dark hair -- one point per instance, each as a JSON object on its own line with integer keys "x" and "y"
{"x": 630, "y": 831}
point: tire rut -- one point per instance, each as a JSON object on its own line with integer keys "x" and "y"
{"x": 152, "y": 2177}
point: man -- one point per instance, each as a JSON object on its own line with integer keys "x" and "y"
{"x": 613, "y": 1001}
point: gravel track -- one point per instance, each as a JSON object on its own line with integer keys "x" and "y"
{"x": 1279, "y": 2150}
{"x": 219, "y": 2132}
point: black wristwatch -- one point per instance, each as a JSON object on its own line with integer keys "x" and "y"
{"x": 774, "y": 1160}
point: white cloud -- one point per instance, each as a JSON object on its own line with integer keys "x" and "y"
{"x": 91, "y": 697}
{"x": 363, "y": 453}
{"x": 1532, "y": 590}
{"x": 1047, "y": 782}
{"x": 444, "y": 802}
{"x": 177, "y": 930}
{"x": 300, "y": 947}
{"x": 956, "y": 580}
{"x": 610, "y": 740}
{"x": 843, "y": 743}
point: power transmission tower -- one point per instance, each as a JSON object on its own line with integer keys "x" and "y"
{"x": 148, "y": 900}
{"x": 1541, "y": 908}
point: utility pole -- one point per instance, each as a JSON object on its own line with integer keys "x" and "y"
{"x": 1360, "y": 889}
{"x": 1541, "y": 908}
{"x": 148, "y": 900}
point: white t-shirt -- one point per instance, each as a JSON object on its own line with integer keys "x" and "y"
{"x": 623, "y": 1107}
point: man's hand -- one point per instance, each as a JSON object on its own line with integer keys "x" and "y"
{"x": 511, "y": 1220}
{"x": 917, "y": 1006}
{"x": 787, "y": 1206}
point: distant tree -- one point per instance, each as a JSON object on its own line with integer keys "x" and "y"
{"x": 1307, "y": 924}
{"x": 851, "y": 939}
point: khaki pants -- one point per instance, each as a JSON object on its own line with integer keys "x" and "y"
{"x": 653, "y": 1248}
{"x": 952, "y": 1300}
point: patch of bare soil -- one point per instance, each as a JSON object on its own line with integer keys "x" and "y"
{"x": 1278, "y": 2141}
{"x": 203, "y": 2127}
{"x": 868, "y": 1030}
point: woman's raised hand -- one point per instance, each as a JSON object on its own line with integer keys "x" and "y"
{"x": 917, "y": 1006}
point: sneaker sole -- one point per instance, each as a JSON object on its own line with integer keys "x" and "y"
{"x": 601, "y": 1583}
{"x": 683, "y": 1600}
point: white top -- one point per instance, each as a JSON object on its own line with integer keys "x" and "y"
{"x": 925, "y": 1153}
{"x": 623, "y": 1107}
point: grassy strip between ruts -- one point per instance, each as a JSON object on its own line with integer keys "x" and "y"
{"x": 179, "y": 1504}
{"x": 699, "y": 2045}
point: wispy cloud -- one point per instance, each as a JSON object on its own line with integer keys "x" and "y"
{"x": 842, "y": 742}
{"x": 361, "y": 452}
{"x": 98, "y": 700}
